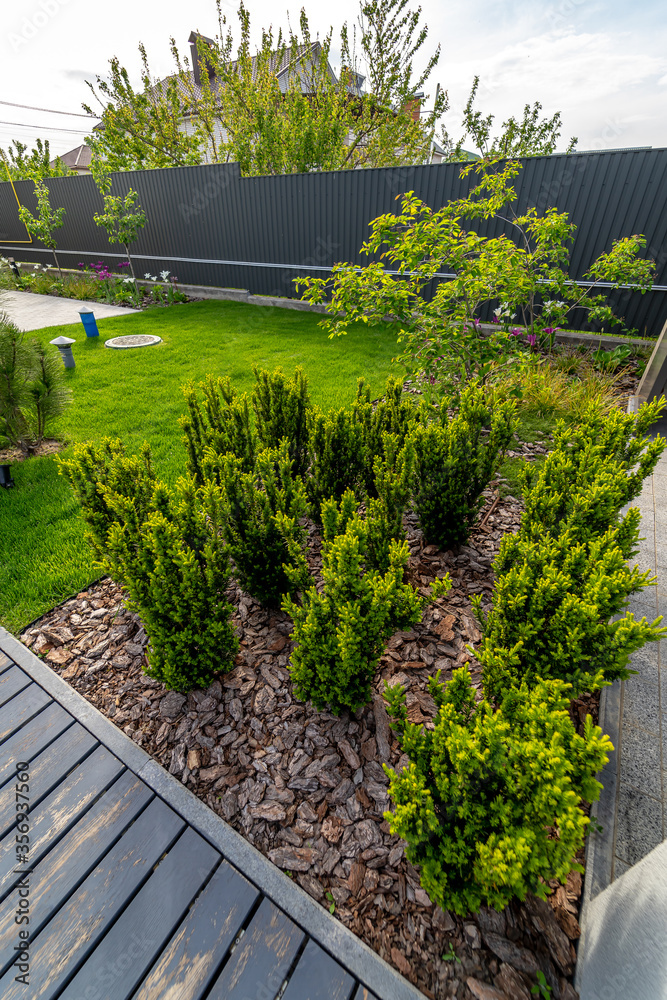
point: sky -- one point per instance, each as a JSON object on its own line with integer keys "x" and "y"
{"x": 601, "y": 63}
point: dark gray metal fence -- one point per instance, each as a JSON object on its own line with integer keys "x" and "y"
{"x": 210, "y": 226}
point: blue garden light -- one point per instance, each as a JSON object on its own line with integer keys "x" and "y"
{"x": 88, "y": 319}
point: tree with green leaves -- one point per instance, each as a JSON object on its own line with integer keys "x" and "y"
{"x": 281, "y": 109}
{"x": 122, "y": 216}
{"x": 532, "y": 136}
{"x": 441, "y": 336}
{"x": 47, "y": 221}
{"x": 23, "y": 165}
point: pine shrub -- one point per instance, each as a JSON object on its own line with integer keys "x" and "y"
{"x": 175, "y": 565}
{"x": 489, "y": 803}
{"x": 260, "y": 519}
{"x": 336, "y": 454}
{"x": 552, "y": 605}
{"x": 394, "y": 414}
{"x": 219, "y": 423}
{"x": 454, "y": 462}
{"x": 384, "y": 512}
{"x": 282, "y": 407}
{"x": 97, "y": 471}
{"x": 340, "y": 633}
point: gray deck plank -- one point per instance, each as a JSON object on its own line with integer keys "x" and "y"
{"x": 81, "y": 922}
{"x": 5, "y": 662}
{"x": 147, "y": 924}
{"x": 73, "y": 857}
{"x": 318, "y": 977}
{"x": 60, "y": 810}
{"x": 11, "y": 682}
{"x": 364, "y": 994}
{"x": 262, "y": 959}
{"x": 17, "y": 712}
{"x": 31, "y": 739}
{"x": 46, "y": 772}
{"x": 190, "y": 959}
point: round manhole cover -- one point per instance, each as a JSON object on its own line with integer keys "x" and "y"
{"x": 139, "y": 340}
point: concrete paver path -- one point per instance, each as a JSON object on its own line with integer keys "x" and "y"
{"x": 34, "y": 312}
{"x": 623, "y": 948}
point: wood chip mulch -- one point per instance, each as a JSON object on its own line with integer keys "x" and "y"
{"x": 307, "y": 788}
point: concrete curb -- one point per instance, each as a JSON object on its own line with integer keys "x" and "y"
{"x": 329, "y": 933}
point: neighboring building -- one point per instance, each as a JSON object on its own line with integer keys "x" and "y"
{"x": 78, "y": 159}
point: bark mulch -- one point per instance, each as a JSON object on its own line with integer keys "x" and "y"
{"x": 307, "y": 788}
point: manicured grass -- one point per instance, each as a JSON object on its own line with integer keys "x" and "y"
{"x": 136, "y": 395}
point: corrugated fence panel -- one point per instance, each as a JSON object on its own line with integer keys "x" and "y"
{"x": 209, "y": 226}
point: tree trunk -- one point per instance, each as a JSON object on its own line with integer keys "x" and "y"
{"x": 127, "y": 251}
{"x": 55, "y": 257}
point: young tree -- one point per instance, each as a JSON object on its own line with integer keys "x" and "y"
{"x": 441, "y": 336}
{"x": 122, "y": 217}
{"x": 47, "y": 221}
{"x": 530, "y": 137}
{"x": 22, "y": 165}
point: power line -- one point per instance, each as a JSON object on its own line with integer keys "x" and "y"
{"x": 47, "y": 128}
{"x": 29, "y": 107}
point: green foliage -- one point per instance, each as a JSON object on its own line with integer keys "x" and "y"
{"x": 260, "y": 518}
{"x": 336, "y": 454}
{"x": 530, "y": 137}
{"x": 23, "y": 166}
{"x": 282, "y": 406}
{"x": 309, "y": 119}
{"x": 219, "y": 423}
{"x": 341, "y": 632}
{"x": 608, "y": 361}
{"x": 441, "y": 336}
{"x": 454, "y": 461}
{"x": 175, "y": 566}
{"x": 489, "y": 804}
{"x": 32, "y": 388}
{"x": 565, "y": 574}
{"x": 384, "y": 512}
{"x": 541, "y": 988}
{"x": 395, "y": 414}
{"x": 47, "y": 221}
{"x": 97, "y": 472}
{"x": 122, "y": 218}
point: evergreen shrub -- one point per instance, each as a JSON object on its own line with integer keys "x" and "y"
{"x": 220, "y": 422}
{"x": 454, "y": 461}
{"x": 340, "y": 633}
{"x": 282, "y": 407}
{"x": 489, "y": 803}
{"x": 336, "y": 454}
{"x": 260, "y": 519}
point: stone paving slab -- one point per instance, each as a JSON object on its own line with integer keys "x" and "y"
{"x": 34, "y": 312}
{"x": 622, "y": 951}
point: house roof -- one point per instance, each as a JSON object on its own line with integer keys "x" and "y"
{"x": 76, "y": 159}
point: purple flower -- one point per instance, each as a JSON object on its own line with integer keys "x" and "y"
{"x": 516, "y": 331}
{"x": 495, "y": 320}
{"x": 549, "y": 329}
{"x": 532, "y": 339}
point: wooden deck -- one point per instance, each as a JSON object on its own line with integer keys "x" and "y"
{"x": 135, "y": 888}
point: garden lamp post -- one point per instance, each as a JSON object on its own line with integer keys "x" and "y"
{"x": 88, "y": 319}
{"x": 6, "y": 476}
{"x": 64, "y": 345}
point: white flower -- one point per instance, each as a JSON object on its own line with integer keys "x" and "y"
{"x": 128, "y": 281}
{"x": 164, "y": 275}
{"x": 35, "y": 267}
{"x": 147, "y": 276}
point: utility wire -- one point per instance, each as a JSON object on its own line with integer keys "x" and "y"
{"x": 29, "y": 107}
{"x": 47, "y": 128}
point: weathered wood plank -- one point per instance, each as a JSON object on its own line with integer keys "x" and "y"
{"x": 84, "y": 918}
{"x": 261, "y": 960}
{"x": 11, "y": 682}
{"x": 188, "y": 962}
{"x": 32, "y": 738}
{"x": 60, "y": 810}
{"x": 127, "y": 952}
{"x": 27, "y": 703}
{"x": 5, "y": 662}
{"x": 364, "y": 994}
{"x": 73, "y": 858}
{"x": 318, "y": 977}
{"x": 46, "y": 772}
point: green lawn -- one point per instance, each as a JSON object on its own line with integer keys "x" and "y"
{"x": 136, "y": 395}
